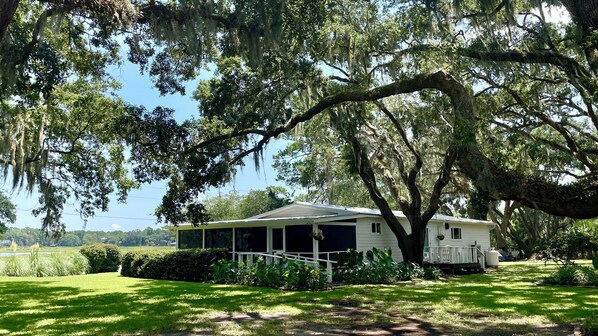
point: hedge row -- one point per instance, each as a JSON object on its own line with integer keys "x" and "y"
{"x": 102, "y": 257}
{"x": 186, "y": 265}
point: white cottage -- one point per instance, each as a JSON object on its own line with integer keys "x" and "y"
{"x": 451, "y": 242}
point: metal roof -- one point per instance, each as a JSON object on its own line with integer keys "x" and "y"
{"x": 398, "y": 214}
{"x": 339, "y": 211}
{"x": 302, "y": 219}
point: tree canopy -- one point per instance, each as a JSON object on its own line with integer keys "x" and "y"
{"x": 502, "y": 92}
{"x": 7, "y": 213}
{"x": 235, "y": 206}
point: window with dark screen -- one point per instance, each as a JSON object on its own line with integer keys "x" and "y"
{"x": 298, "y": 238}
{"x": 277, "y": 236}
{"x": 219, "y": 238}
{"x": 251, "y": 239}
{"x": 190, "y": 239}
{"x": 337, "y": 238}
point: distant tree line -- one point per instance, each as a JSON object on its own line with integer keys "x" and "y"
{"x": 145, "y": 237}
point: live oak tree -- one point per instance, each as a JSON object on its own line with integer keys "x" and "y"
{"x": 317, "y": 161}
{"x": 492, "y": 75}
{"x": 58, "y": 111}
{"x": 499, "y": 71}
{"x": 232, "y": 205}
{"x": 8, "y": 213}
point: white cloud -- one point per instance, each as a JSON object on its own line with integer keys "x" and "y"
{"x": 116, "y": 226}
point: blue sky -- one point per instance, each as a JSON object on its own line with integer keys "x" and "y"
{"x": 137, "y": 213}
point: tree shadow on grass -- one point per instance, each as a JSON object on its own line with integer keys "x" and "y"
{"x": 174, "y": 308}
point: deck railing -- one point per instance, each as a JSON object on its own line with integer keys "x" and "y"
{"x": 251, "y": 257}
{"x": 451, "y": 255}
{"x": 329, "y": 255}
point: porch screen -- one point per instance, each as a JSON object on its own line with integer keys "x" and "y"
{"x": 337, "y": 238}
{"x": 219, "y": 238}
{"x": 190, "y": 239}
{"x": 277, "y": 236}
{"x": 251, "y": 239}
{"x": 298, "y": 239}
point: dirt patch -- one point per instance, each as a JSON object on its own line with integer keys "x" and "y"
{"x": 247, "y": 317}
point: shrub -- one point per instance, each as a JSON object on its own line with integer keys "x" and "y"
{"x": 298, "y": 275}
{"x": 227, "y": 272}
{"x": 288, "y": 274}
{"x": 595, "y": 262}
{"x": 407, "y": 271}
{"x": 432, "y": 273}
{"x": 375, "y": 266}
{"x": 132, "y": 262}
{"x": 568, "y": 245}
{"x": 187, "y": 265}
{"x": 573, "y": 275}
{"x": 589, "y": 327}
{"x": 102, "y": 257}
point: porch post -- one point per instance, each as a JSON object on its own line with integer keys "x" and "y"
{"x": 316, "y": 247}
{"x": 234, "y": 232}
{"x": 269, "y": 239}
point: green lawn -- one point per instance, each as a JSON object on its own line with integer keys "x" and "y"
{"x": 501, "y": 302}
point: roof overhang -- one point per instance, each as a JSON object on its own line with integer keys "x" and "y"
{"x": 261, "y": 221}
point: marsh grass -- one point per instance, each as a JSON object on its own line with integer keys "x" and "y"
{"x": 46, "y": 265}
{"x": 505, "y": 301}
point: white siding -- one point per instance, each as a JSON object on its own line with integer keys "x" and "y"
{"x": 471, "y": 234}
{"x": 385, "y": 240}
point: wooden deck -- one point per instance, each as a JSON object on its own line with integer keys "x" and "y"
{"x": 455, "y": 259}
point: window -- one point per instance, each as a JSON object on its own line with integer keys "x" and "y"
{"x": 277, "y": 239}
{"x": 190, "y": 239}
{"x": 298, "y": 239}
{"x": 219, "y": 238}
{"x": 251, "y": 239}
{"x": 456, "y": 233}
{"x": 376, "y": 228}
{"x": 337, "y": 238}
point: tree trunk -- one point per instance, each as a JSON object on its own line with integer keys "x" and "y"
{"x": 576, "y": 200}
{"x": 7, "y": 12}
{"x": 505, "y": 222}
{"x": 585, "y": 14}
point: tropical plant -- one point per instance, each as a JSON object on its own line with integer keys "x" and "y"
{"x": 432, "y": 273}
{"x": 374, "y": 266}
{"x": 287, "y": 274}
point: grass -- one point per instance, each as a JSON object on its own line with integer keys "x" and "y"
{"x": 501, "y": 302}
{"x": 72, "y": 249}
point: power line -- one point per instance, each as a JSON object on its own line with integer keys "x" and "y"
{"x": 143, "y": 197}
{"x": 101, "y": 216}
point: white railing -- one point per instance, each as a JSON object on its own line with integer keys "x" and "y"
{"x": 451, "y": 255}
{"x": 330, "y": 253}
{"x": 326, "y": 255}
{"x": 251, "y": 257}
